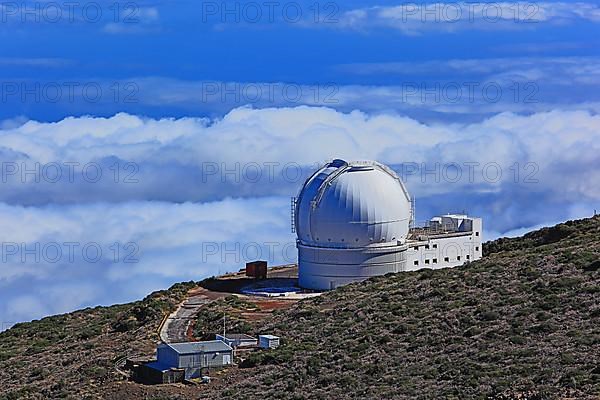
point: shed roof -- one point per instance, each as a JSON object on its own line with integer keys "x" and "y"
{"x": 269, "y": 337}
{"x": 237, "y": 336}
{"x": 158, "y": 366}
{"x": 210, "y": 346}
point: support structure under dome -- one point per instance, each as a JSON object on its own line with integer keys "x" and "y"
{"x": 352, "y": 220}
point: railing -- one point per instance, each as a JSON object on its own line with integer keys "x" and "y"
{"x": 426, "y": 228}
{"x": 293, "y": 203}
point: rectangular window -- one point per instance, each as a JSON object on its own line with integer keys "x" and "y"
{"x": 427, "y": 261}
{"x": 468, "y": 257}
{"x": 435, "y": 246}
{"x": 458, "y": 258}
{"x": 446, "y": 259}
{"x": 426, "y": 247}
{"x": 416, "y": 262}
{"x": 476, "y": 233}
{"x": 416, "y": 247}
{"x": 435, "y": 260}
{"x": 477, "y": 248}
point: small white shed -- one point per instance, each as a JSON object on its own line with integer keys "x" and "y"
{"x": 268, "y": 341}
{"x": 237, "y": 340}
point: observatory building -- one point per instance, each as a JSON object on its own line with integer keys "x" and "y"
{"x": 354, "y": 220}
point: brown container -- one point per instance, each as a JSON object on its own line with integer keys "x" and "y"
{"x": 256, "y": 269}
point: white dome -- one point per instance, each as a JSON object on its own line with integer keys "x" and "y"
{"x": 353, "y": 205}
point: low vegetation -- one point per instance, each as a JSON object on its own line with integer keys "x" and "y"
{"x": 73, "y": 355}
{"x": 521, "y": 323}
{"x": 210, "y": 318}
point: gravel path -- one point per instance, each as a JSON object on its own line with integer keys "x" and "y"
{"x": 176, "y": 326}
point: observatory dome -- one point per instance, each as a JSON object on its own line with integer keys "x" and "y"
{"x": 352, "y": 205}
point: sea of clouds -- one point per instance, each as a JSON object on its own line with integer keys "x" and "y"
{"x": 105, "y": 210}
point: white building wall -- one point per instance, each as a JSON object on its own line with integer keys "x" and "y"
{"x": 265, "y": 342}
{"x": 325, "y": 269}
{"x": 328, "y": 268}
{"x": 447, "y": 251}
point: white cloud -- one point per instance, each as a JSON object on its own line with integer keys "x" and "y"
{"x": 415, "y": 19}
{"x": 172, "y": 213}
{"x": 173, "y": 243}
{"x": 135, "y": 20}
{"x": 258, "y": 152}
{"x": 439, "y": 89}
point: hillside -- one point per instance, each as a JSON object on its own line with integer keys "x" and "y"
{"x": 520, "y": 323}
{"x": 524, "y": 320}
{"x": 73, "y": 355}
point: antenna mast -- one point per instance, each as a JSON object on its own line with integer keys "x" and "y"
{"x": 412, "y": 212}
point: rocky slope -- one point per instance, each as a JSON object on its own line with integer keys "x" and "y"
{"x": 521, "y": 323}
{"x": 73, "y": 355}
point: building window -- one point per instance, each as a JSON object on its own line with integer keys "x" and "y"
{"x": 426, "y": 247}
{"x": 416, "y": 247}
{"x": 447, "y": 259}
{"x": 427, "y": 261}
{"x": 435, "y": 260}
{"x": 458, "y": 258}
{"x": 468, "y": 257}
{"x": 477, "y": 248}
{"x": 476, "y": 233}
{"x": 435, "y": 246}
{"x": 416, "y": 262}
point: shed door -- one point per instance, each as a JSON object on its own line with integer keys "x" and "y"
{"x": 226, "y": 359}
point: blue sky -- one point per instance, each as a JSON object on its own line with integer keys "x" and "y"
{"x": 173, "y": 96}
{"x": 158, "y": 45}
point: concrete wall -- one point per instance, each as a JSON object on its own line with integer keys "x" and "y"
{"x": 442, "y": 252}
{"x": 328, "y": 268}
{"x": 450, "y": 251}
{"x": 325, "y": 269}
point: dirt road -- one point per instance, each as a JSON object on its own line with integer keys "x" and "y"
{"x": 175, "y": 329}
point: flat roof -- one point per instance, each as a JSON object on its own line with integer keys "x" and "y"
{"x": 210, "y": 346}
{"x": 158, "y": 366}
{"x": 236, "y": 336}
{"x": 270, "y": 337}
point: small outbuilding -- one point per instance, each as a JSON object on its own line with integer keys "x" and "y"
{"x": 268, "y": 341}
{"x": 256, "y": 269}
{"x": 194, "y": 356}
{"x": 238, "y": 340}
{"x": 154, "y": 373}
